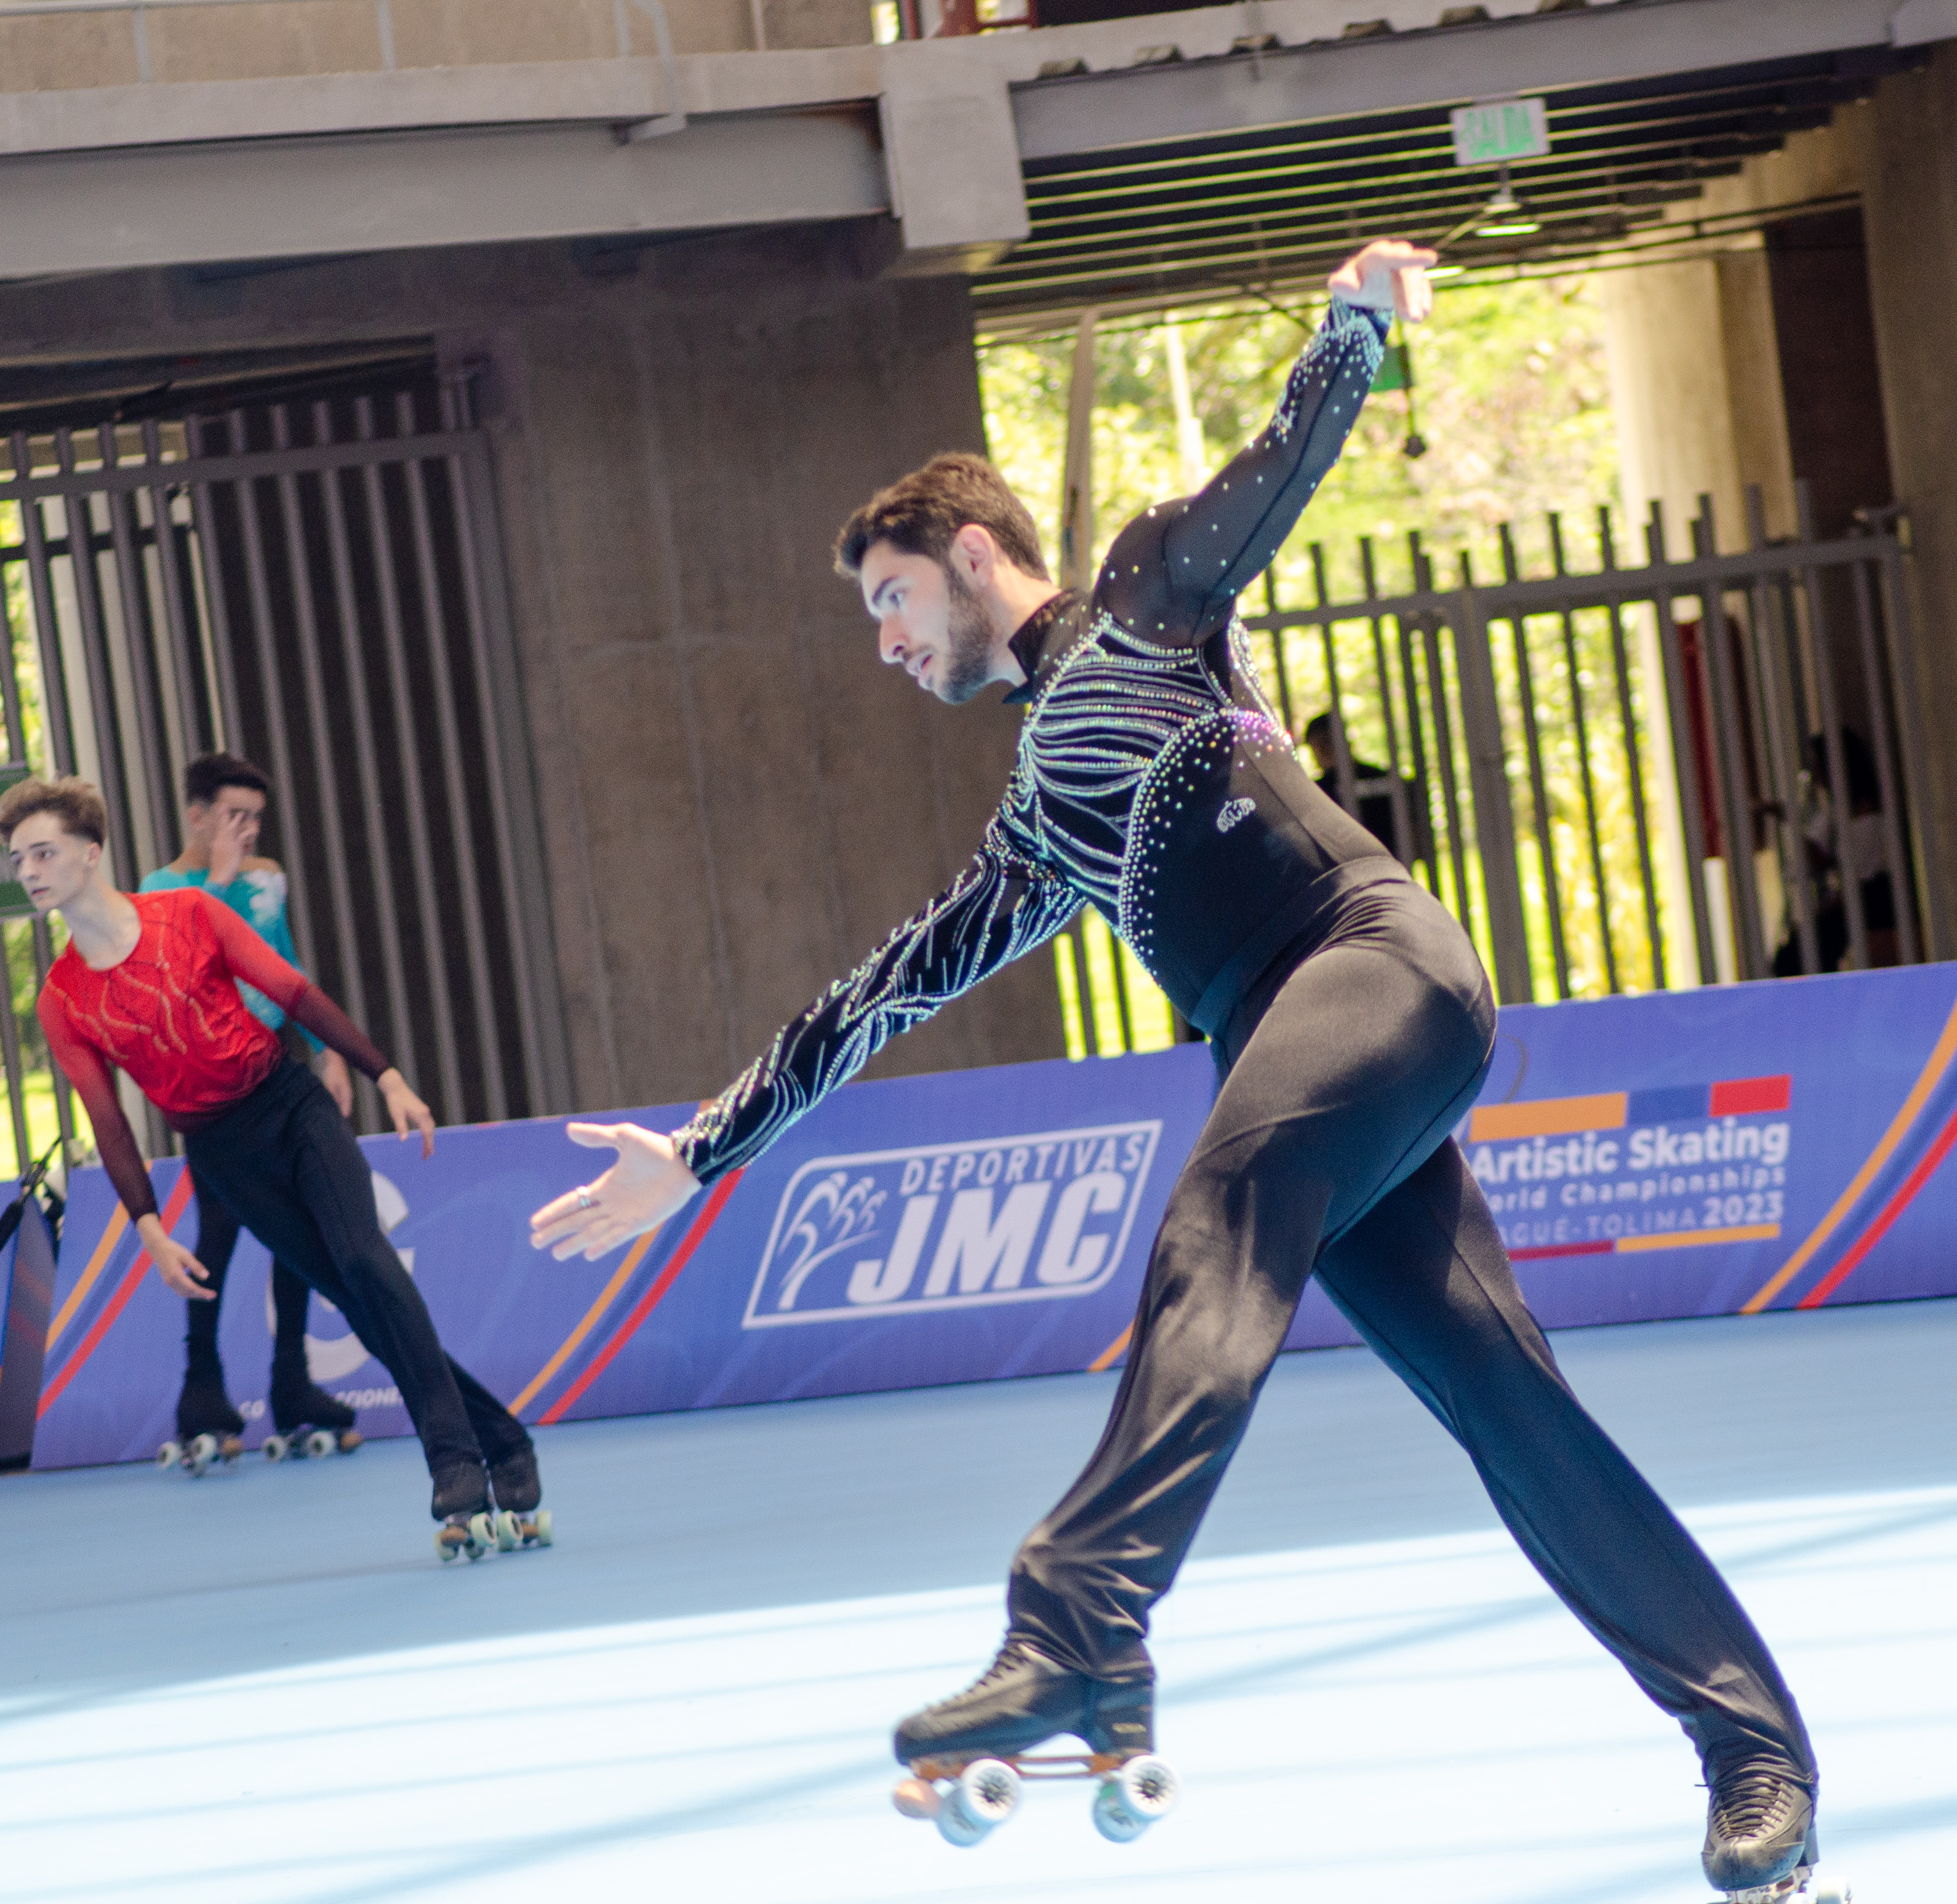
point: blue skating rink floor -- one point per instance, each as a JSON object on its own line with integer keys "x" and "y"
{"x": 262, "y": 1686}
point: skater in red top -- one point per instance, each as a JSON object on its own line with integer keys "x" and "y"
{"x": 150, "y": 983}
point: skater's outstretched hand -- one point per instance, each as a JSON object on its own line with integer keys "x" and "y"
{"x": 406, "y": 1108}
{"x": 1388, "y": 275}
{"x": 174, "y": 1264}
{"x": 647, "y": 1184}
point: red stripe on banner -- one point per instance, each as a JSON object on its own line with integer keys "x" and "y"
{"x": 1877, "y": 1230}
{"x": 1561, "y": 1249}
{"x": 1745, "y": 1097}
{"x": 52, "y": 1393}
{"x": 716, "y": 1201}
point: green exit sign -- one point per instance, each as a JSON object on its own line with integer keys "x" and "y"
{"x": 1496, "y": 131}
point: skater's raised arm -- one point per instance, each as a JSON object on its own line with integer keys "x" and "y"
{"x": 1001, "y": 907}
{"x": 1173, "y": 575}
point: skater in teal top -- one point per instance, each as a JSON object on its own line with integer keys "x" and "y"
{"x": 225, "y": 800}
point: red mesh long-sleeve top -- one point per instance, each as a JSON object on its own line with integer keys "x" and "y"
{"x": 170, "y": 1014}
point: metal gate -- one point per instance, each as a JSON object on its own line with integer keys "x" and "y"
{"x": 318, "y": 586}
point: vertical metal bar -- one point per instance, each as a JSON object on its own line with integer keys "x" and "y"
{"x": 1729, "y": 757}
{"x": 1908, "y": 946}
{"x": 513, "y": 812}
{"x": 272, "y": 687}
{"x": 299, "y": 569}
{"x": 44, "y": 956}
{"x": 488, "y": 1046}
{"x": 1579, "y": 719}
{"x": 1545, "y": 834}
{"x": 57, "y": 725}
{"x": 1443, "y": 743}
{"x": 1634, "y": 770}
{"x": 229, "y": 732}
{"x": 1341, "y": 749}
{"x": 1685, "y": 765}
{"x": 10, "y": 1051}
{"x": 1083, "y": 985}
{"x": 379, "y": 860}
{"x": 387, "y": 585}
{"x": 76, "y": 506}
{"x": 1783, "y": 743}
{"x": 1925, "y": 829}
{"x": 1282, "y": 670}
{"x": 1406, "y": 844}
{"x": 139, "y": 650}
{"x": 1488, "y": 777}
{"x": 194, "y": 720}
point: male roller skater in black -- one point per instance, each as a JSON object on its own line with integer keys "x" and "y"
{"x": 1353, "y": 1025}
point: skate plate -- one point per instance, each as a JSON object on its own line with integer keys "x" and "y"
{"x": 968, "y": 1797}
{"x": 314, "y": 1444}
{"x": 461, "y": 1534}
{"x": 199, "y": 1452}
{"x": 1800, "y": 1886}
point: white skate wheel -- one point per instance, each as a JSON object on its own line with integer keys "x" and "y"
{"x": 200, "y": 1453}
{"x": 1831, "y": 1890}
{"x": 542, "y": 1524}
{"x": 482, "y": 1536}
{"x": 277, "y": 1447}
{"x": 916, "y": 1798}
{"x": 955, "y": 1826}
{"x": 1113, "y": 1819}
{"x": 320, "y": 1444}
{"x": 168, "y": 1455}
{"x": 988, "y": 1790}
{"x": 508, "y": 1537}
{"x": 446, "y": 1548}
{"x": 1149, "y": 1787}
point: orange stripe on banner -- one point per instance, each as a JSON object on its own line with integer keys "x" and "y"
{"x": 1113, "y": 1353}
{"x": 1880, "y": 1227}
{"x": 716, "y": 1201}
{"x": 1686, "y": 1239}
{"x": 1547, "y": 1117}
{"x": 118, "y": 1221}
{"x": 633, "y": 1257}
{"x": 173, "y": 1211}
{"x": 1937, "y": 1064}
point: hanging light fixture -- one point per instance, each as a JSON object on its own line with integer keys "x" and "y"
{"x": 1504, "y": 216}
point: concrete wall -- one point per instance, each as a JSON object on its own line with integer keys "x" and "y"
{"x": 739, "y": 801}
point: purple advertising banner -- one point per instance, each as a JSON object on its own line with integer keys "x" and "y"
{"x": 1716, "y": 1152}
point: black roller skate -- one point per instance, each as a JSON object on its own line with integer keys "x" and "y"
{"x": 461, "y": 1504}
{"x": 968, "y": 1755}
{"x": 1761, "y": 1845}
{"x": 307, "y": 1420}
{"x": 208, "y": 1427}
{"x": 519, "y": 1522}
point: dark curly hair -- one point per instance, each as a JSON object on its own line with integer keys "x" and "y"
{"x": 921, "y": 513}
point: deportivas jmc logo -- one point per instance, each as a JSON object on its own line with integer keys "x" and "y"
{"x": 1026, "y": 1219}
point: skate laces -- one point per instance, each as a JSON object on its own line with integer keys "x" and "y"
{"x": 1754, "y": 1800}
{"x": 1004, "y": 1662}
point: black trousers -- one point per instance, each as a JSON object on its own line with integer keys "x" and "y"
{"x": 286, "y": 1161}
{"x": 1329, "y": 1152}
{"x": 217, "y": 1228}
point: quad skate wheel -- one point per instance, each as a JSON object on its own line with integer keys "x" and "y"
{"x": 169, "y": 1454}
{"x": 916, "y": 1798}
{"x": 320, "y": 1444}
{"x": 1149, "y": 1787}
{"x": 988, "y": 1790}
{"x": 541, "y": 1526}
{"x": 200, "y": 1453}
{"x": 956, "y": 1825}
{"x": 1830, "y": 1890}
{"x": 277, "y": 1447}
{"x": 482, "y": 1537}
{"x": 509, "y": 1535}
{"x": 1113, "y": 1819}
{"x": 447, "y": 1543}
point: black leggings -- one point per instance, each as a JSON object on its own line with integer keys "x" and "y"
{"x": 1329, "y": 1151}
{"x": 217, "y": 1228}
{"x": 286, "y": 1161}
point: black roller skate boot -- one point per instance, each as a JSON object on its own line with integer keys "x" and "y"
{"x": 461, "y": 1504}
{"x": 1759, "y": 1830}
{"x": 207, "y": 1425}
{"x": 519, "y": 1522}
{"x": 966, "y": 1753}
{"x": 305, "y": 1419}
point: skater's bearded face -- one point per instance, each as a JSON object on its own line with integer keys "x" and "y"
{"x": 931, "y": 621}
{"x": 52, "y": 863}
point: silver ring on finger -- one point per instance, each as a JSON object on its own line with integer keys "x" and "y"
{"x": 585, "y": 1199}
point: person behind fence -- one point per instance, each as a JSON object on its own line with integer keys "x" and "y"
{"x": 1837, "y": 853}
{"x": 1353, "y": 1025}
{"x": 224, "y": 808}
{"x": 1395, "y": 815}
{"x": 150, "y": 983}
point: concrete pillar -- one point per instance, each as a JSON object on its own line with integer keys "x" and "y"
{"x": 737, "y": 800}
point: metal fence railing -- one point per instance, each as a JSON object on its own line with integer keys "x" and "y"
{"x": 1618, "y": 778}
